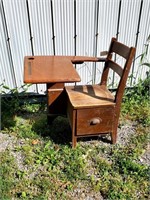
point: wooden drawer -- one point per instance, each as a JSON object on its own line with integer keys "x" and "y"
{"x": 95, "y": 120}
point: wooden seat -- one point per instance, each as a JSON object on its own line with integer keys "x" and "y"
{"x": 87, "y": 95}
{"x": 93, "y": 109}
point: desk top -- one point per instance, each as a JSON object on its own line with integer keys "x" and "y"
{"x": 49, "y": 69}
{"x": 52, "y": 69}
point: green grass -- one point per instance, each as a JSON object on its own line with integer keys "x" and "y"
{"x": 42, "y": 165}
{"x": 136, "y": 103}
{"x": 7, "y": 172}
{"x": 120, "y": 176}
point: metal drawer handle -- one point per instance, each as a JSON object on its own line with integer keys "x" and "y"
{"x": 95, "y": 121}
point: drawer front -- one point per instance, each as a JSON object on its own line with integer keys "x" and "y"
{"x": 95, "y": 120}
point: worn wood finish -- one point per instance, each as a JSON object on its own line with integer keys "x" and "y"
{"x": 93, "y": 109}
{"x": 81, "y": 59}
{"x": 114, "y": 66}
{"x": 49, "y": 69}
{"x": 120, "y": 49}
{"x": 56, "y": 101}
{"x": 94, "y": 120}
{"x": 54, "y": 69}
{"x": 87, "y": 95}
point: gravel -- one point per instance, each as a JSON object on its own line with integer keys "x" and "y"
{"x": 82, "y": 192}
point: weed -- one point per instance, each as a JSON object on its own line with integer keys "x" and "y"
{"x": 13, "y": 102}
{"x": 121, "y": 177}
{"x": 136, "y": 103}
{"x": 7, "y": 174}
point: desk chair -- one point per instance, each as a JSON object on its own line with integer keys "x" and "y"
{"x": 92, "y": 109}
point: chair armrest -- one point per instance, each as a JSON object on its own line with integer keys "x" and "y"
{"x": 82, "y": 59}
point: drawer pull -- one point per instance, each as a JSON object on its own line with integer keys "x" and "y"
{"x": 95, "y": 121}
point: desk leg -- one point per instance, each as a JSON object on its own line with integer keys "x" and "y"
{"x": 56, "y": 101}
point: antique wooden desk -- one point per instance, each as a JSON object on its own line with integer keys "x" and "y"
{"x": 54, "y": 71}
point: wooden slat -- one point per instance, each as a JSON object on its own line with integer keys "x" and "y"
{"x": 120, "y": 49}
{"x": 114, "y": 66}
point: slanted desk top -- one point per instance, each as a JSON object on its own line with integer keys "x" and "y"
{"x": 54, "y": 69}
{"x": 49, "y": 69}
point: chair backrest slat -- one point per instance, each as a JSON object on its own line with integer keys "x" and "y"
{"x": 120, "y": 49}
{"x": 114, "y": 66}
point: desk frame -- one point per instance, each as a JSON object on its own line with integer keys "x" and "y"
{"x": 56, "y": 97}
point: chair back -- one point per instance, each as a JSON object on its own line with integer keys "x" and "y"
{"x": 116, "y": 50}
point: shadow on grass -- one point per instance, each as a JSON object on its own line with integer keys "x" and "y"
{"x": 8, "y": 111}
{"x": 59, "y": 131}
{"x": 13, "y": 104}
{"x": 102, "y": 137}
{"x": 11, "y": 108}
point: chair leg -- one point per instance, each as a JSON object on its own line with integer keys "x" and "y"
{"x": 74, "y": 138}
{"x": 114, "y": 133}
{"x": 115, "y": 127}
{"x": 74, "y": 141}
{"x": 114, "y": 137}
